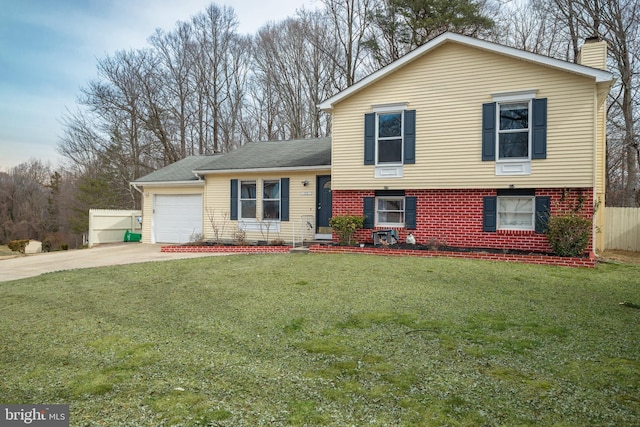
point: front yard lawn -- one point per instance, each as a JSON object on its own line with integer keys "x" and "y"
{"x": 326, "y": 340}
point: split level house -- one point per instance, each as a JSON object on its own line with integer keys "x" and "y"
{"x": 461, "y": 142}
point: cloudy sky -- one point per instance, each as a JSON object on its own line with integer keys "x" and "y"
{"x": 49, "y": 49}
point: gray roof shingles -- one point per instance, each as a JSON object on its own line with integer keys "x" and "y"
{"x": 274, "y": 154}
{"x": 298, "y": 153}
{"x": 182, "y": 170}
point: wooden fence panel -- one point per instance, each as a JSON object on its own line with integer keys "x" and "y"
{"x": 622, "y": 229}
{"x": 109, "y": 226}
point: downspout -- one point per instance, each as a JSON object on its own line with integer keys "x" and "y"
{"x": 137, "y": 189}
{"x": 594, "y": 227}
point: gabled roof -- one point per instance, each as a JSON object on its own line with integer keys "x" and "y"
{"x": 273, "y": 155}
{"x": 180, "y": 171}
{"x": 598, "y": 75}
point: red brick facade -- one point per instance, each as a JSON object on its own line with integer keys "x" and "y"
{"x": 455, "y": 217}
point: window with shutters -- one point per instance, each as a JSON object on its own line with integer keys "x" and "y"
{"x": 390, "y": 208}
{"x": 514, "y": 131}
{"x": 516, "y": 213}
{"x": 517, "y": 209}
{"x": 390, "y": 139}
{"x": 274, "y": 201}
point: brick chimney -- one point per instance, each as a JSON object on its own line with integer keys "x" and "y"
{"x": 593, "y": 53}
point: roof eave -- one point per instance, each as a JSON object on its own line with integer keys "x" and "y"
{"x": 191, "y": 183}
{"x": 260, "y": 170}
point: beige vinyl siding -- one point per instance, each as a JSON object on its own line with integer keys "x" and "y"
{"x": 594, "y": 55}
{"x": 302, "y": 204}
{"x": 147, "y": 205}
{"x": 447, "y": 88}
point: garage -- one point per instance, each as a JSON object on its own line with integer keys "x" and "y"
{"x": 176, "y": 217}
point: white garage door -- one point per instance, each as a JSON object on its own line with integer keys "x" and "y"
{"x": 177, "y": 217}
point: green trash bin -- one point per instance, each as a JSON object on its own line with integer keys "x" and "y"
{"x": 132, "y": 237}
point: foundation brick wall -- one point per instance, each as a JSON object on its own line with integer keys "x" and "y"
{"x": 588, "y": 262}
{"x": 227, "y": 249}
{"x": 454, "y": 217}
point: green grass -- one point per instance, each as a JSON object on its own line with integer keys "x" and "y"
{"x": 326, "y": 340}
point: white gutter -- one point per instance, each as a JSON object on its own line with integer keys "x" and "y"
{"x": 199, "y": 183}
{"x": 260, "y": 170}
{"x": 594, "y": 227}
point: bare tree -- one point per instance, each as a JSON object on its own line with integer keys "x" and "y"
{"x": 173, "y": 50}
{"x": 215, "y": 33}
{"x": 558, "y": 28}
{"x": 349, "y": 19}
{"x": 617, "y": 22}
{"x": 23, "y": 201}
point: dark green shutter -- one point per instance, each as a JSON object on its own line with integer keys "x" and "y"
{"x": 539, "y": 138}
{"x": 489, "y": 214}
{"x": 489, "y": 131}
{"x": 284, "y": 199}
{"x": 409, "y": 137}
{"x": 370, "y": 138}
{"x": 543, "y": 209}
{"x": 369, "y": 212}
{"x": 410, "y": 212}
{"x": 233, "y": 209}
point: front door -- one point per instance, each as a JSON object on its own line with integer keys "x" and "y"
{"x": 323, "y": 203}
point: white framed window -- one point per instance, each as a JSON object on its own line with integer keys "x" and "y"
{"x": 390, "y": 211}
{"x": 247, "y": 200}
{"x": 389, "y": 140}
{"x": 516, "y": 213}
{"x": 514, "y": 130}
{"x": 271, "y": 200}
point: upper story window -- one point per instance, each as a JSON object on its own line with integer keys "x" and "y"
{"x": 271, "y": 200}
{"x": 513, "y": 130}
{"x": 389, "y": 138}
{"x": 248, "y": 199}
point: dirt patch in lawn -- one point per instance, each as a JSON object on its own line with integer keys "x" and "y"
{"x": 621, "y": 256}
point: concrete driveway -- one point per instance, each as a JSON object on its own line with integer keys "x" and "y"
{"x": 112, "y": 254}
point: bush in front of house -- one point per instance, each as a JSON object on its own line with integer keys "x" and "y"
{"x": 568, "y": 234}
{"x": 345, "y": 226}
{"x": 18, "y": 245}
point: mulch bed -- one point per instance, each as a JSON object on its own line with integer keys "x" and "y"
{"x": 492, "y": 254}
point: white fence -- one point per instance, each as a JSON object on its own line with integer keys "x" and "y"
{"x": 622, "y": 229}
{"x": 110, "y": 226}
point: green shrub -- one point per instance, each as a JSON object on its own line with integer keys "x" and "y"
{"x": 54, "y": 242}
{"x": 18, "y": 245}
{"x": 345, "y": 226}
{"x": 568, "y": 234}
